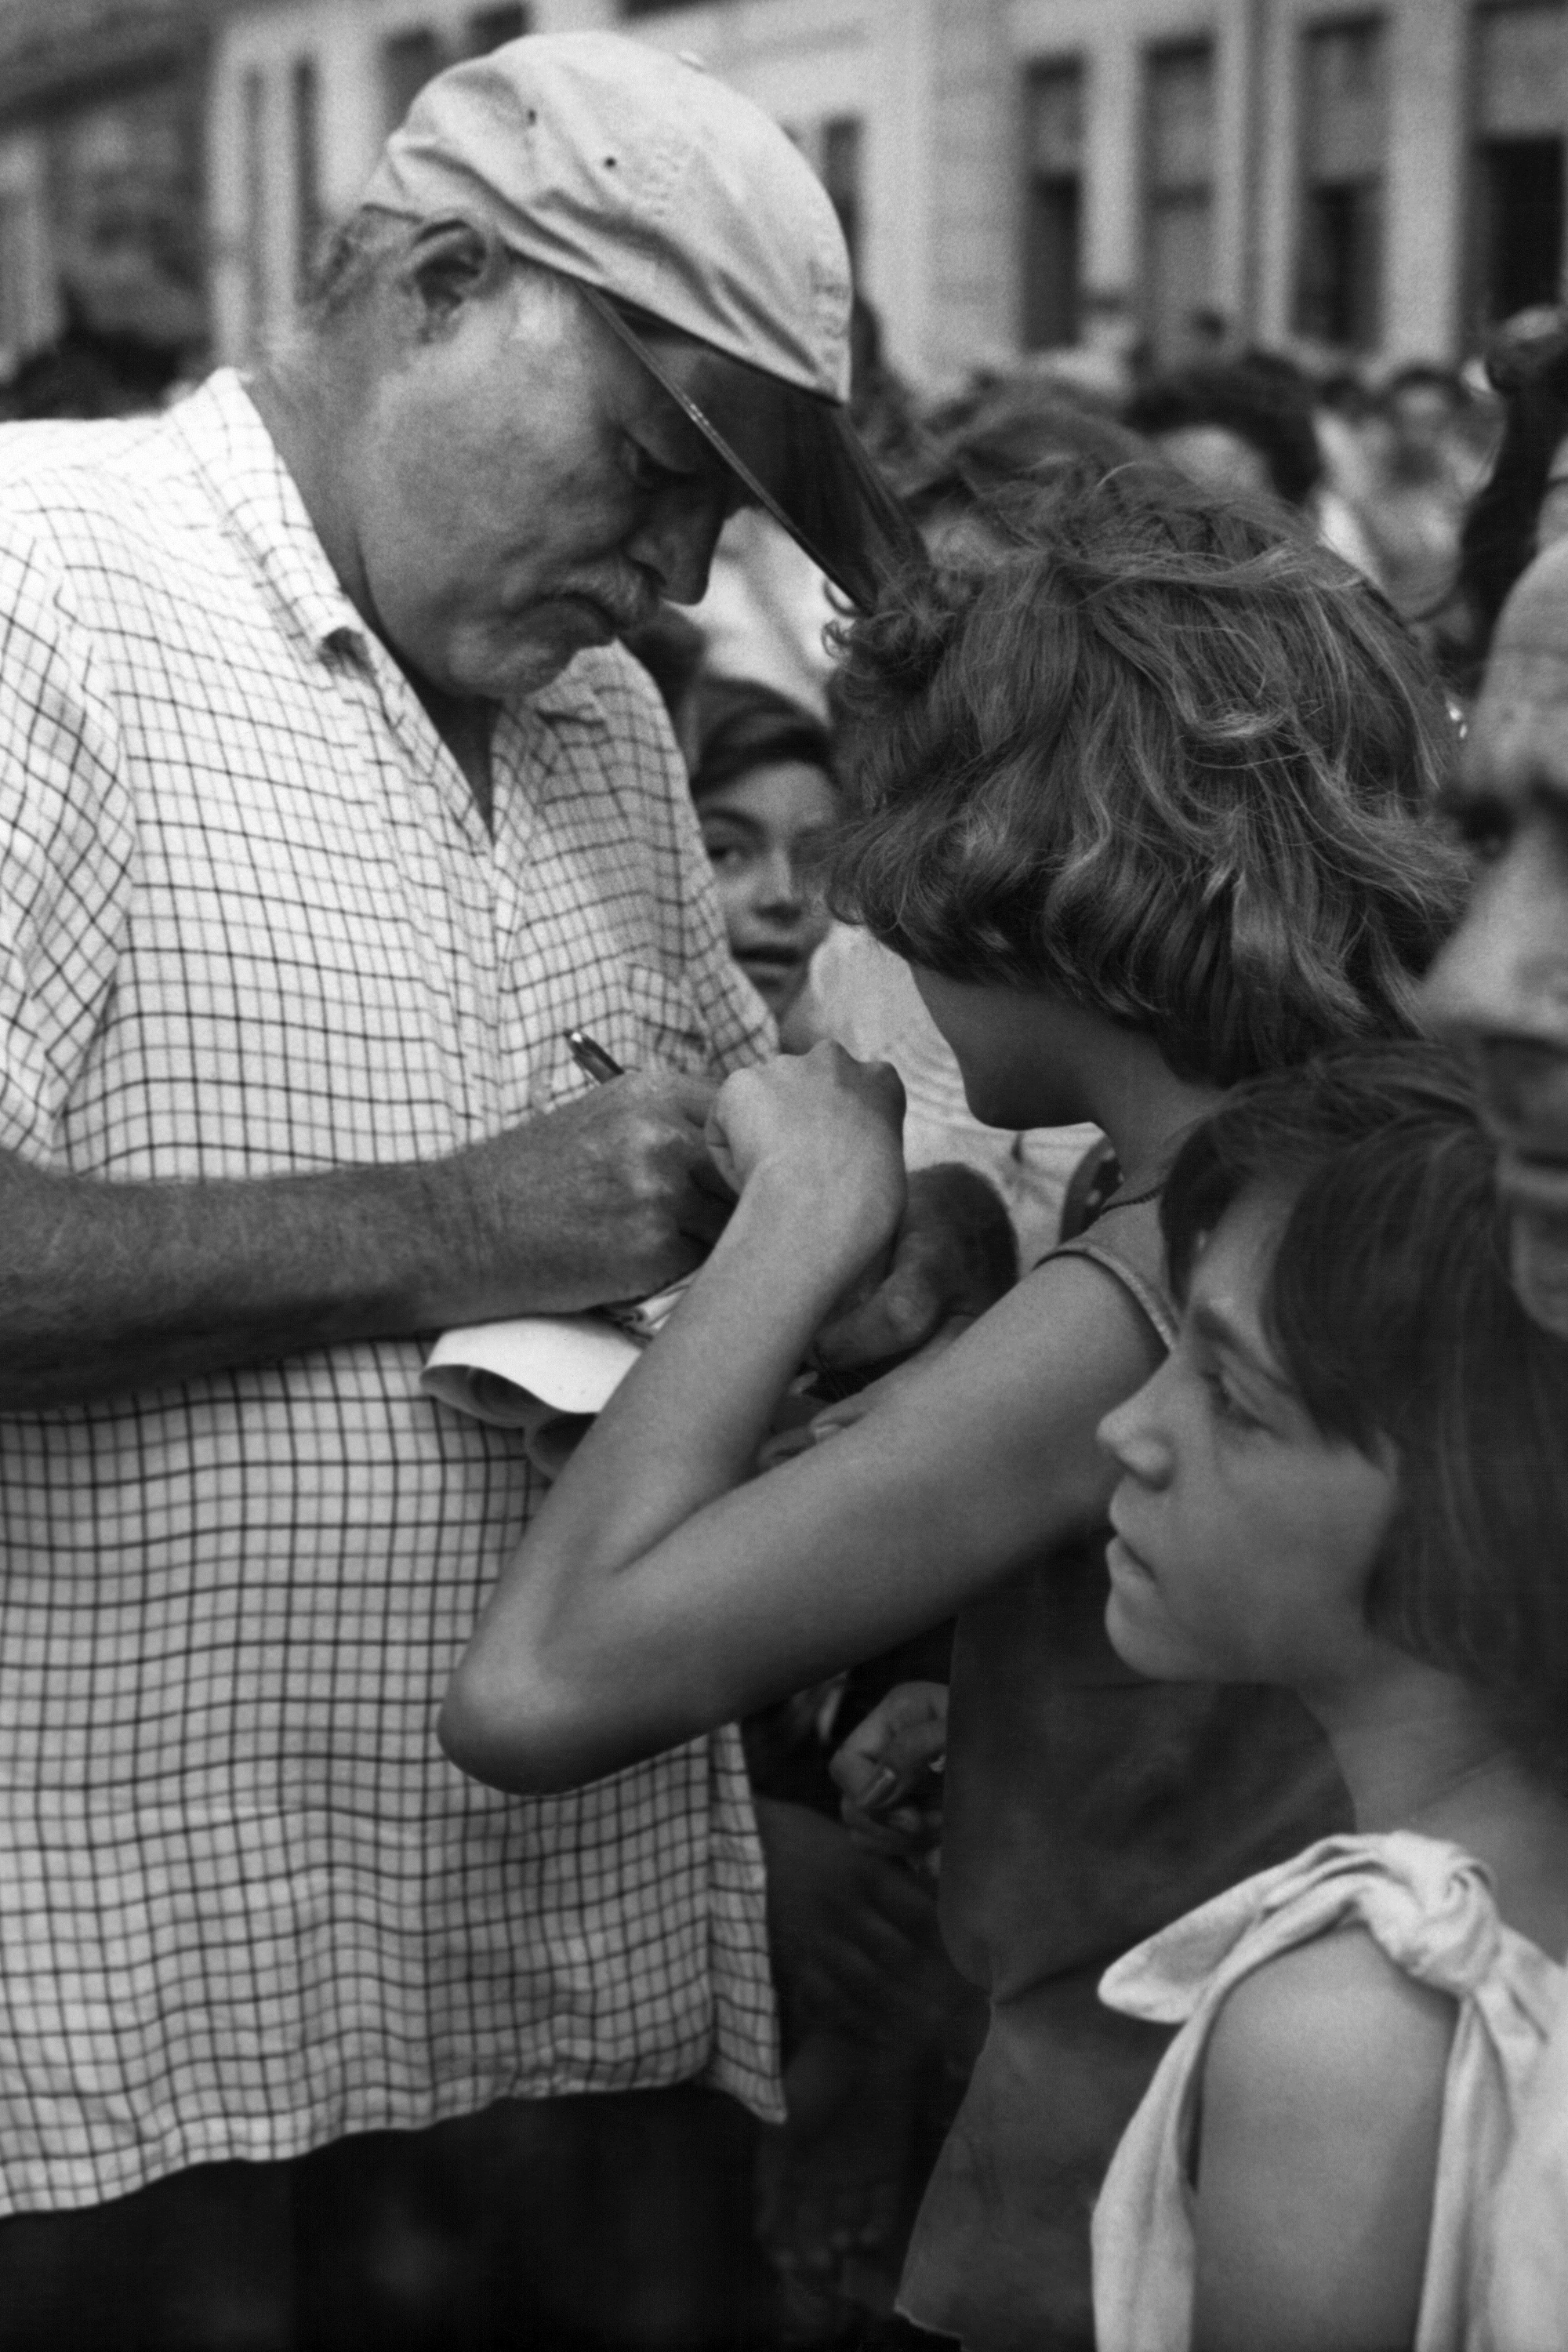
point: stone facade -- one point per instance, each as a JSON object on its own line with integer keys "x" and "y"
{"x": 1374, "y": 179}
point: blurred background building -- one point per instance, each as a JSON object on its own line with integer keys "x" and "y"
{"x": 1370, "y": 183}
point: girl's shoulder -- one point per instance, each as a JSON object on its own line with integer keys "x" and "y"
{"x": 1352, "y": 1913}
{"x": 1333, "y": 2031}
{"x": 1358, "y": 2025}
{"x": 1321, "y": 2104}
{"x": 1124, "y": 1241}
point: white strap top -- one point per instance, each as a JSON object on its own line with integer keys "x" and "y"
{"x": 1430, "y": 1909}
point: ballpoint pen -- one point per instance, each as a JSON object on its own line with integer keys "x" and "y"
{"x": 590, "y": 1055}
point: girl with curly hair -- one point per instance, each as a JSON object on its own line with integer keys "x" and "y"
{"x": 1145, "y": 801}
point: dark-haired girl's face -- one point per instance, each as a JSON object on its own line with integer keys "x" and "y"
{"x": 764, "y": 834}
{"x": 1244, "y": 1537}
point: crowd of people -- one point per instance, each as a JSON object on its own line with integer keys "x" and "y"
{"x": 1012, "y": 1787}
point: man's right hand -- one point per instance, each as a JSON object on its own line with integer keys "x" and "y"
{"x": 612, "y": 1196}
{"x": 107, "y": 1287}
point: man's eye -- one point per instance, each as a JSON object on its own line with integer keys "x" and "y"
{"x": 649, "y": 472}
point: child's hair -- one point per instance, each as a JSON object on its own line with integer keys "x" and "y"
{"x": 1390, "y": 1309}
{"x": 1163, "y": 758}
{"x": 741, "y": 725}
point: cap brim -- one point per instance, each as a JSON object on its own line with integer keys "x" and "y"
{"x": 792, "y": 452}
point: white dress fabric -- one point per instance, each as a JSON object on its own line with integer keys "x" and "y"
{"x": 1527, "y": 2308}
{"x": 1430, "y": 1909}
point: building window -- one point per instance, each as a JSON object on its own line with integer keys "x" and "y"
{"x": 1521, "y": 98}
{"x": 408, "y": 60}
{"x": 1178, "y": 195}
{"x": 841, "y": 148}
{"x": 1344, "y": 131}
{"x": 488, "y": 27}
{"x": 305, "y": 105}
{"x": 1053, "y": 207}
{"x": 253, "y": 114}
{"x": 13, "y": 288}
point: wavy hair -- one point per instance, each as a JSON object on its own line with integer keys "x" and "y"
{"x": 1162, "y": 756}
{"x": 1390, "y": 1307}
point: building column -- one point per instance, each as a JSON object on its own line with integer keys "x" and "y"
{"x": 1428, "y": 174}
{"x": 971, "y": 166}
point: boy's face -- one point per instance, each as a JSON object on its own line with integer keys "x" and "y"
{"x": 1244, "y": 1537}
{"x": 764, "y": 834}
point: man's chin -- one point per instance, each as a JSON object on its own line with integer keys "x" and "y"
{"x": 1539, "y": 1255}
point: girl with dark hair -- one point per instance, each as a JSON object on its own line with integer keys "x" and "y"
{"x": 762, "y": 785}
{"x": 1145, "y": 801}
{"x": 1347, "y": 1480}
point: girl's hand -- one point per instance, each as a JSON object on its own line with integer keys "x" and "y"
{"x": 821, "y": 1121}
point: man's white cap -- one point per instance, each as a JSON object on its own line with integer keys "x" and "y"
{"x": 665, "y": 194}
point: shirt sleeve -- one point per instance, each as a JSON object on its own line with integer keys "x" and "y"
{"x": 67, "y": 848}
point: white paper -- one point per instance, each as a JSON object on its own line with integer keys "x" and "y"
{"x": 516, "y": 1374}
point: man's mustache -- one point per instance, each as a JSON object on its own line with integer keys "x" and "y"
{"x": 626, "y": 603}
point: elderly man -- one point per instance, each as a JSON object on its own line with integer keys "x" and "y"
{"x": 328, "y": 807}
{"x": 1502, "y": 984}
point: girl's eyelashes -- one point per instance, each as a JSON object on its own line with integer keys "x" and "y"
{"x": 1226, "y": 1402}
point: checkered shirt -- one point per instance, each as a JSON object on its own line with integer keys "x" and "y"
{"x": 252, "y": 923}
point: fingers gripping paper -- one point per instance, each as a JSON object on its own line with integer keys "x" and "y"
{"x": 536, "y": 1371}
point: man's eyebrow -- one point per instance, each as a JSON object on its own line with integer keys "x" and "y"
{"x": 1213, "y": 1324}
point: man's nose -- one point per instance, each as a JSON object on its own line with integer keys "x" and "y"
{"x": 675, "y": 539}
{"x": 1504, "y": 973}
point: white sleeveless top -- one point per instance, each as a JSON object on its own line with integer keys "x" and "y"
{"x": 1527, "y": 2303}
{"x": 1430, "y": 1909}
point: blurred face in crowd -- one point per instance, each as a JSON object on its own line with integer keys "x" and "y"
{"x": 1551, "y": 517}
{"x": 1244, "y": 1537}
{"x": 1422, "y": 416}
{"x": 1215, "y": 457}
{"x": 764, "y": 833}
{"x": 518, "y": 484}
{"x": 1502, "y": 983}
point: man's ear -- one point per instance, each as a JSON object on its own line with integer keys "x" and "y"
{"x": 448, "y": 261}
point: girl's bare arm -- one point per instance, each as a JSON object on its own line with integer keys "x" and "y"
{"x": 661, "y": 1592}
{"x": 1322, "y": 2099}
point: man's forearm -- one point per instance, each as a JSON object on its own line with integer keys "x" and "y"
{"x": 106, "y": 1286}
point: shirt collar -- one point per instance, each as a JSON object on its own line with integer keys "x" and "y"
{"x": 257, "y": 494}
